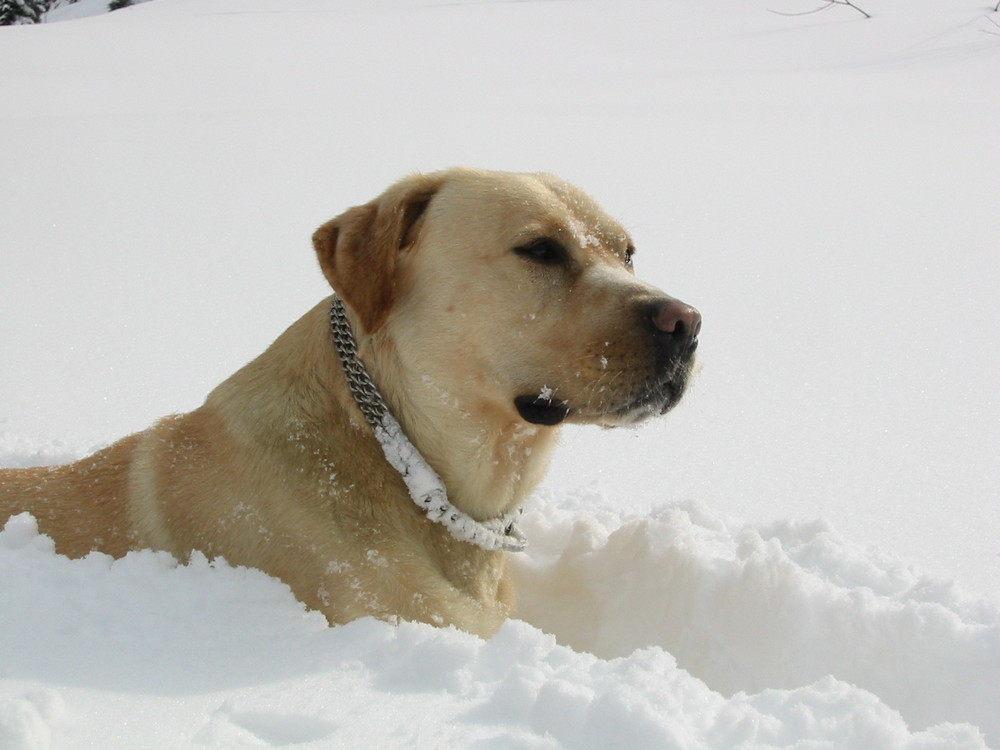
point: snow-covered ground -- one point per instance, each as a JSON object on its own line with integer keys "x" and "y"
{"x": 823, "y": 187}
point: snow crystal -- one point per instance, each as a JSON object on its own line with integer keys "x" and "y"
{"x": 582, "y": 235}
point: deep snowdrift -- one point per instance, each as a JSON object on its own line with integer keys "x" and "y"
{"x": 709, "y": 621}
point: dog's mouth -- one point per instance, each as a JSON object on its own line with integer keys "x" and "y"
{"x": 645, "y": 402}
{"x": 655, "y": 402}
{"x": 541, "y": 408}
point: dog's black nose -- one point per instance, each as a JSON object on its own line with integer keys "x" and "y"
{"x": 679, "y": 322}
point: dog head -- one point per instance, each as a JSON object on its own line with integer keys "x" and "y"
{"x": 511, "y": 295}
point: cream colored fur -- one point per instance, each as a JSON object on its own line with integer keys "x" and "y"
{"x": 278, "y": 470}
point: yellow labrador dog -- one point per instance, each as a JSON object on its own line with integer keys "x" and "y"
{"x": 376, "y": 455}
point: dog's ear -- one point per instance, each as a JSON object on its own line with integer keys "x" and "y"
{"x": 359, "y": 249}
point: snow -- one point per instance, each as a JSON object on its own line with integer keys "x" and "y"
{"x": 823, "y": 188}
{"x": 203, "y": 654}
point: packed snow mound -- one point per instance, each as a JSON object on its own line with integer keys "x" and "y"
{"x": 18, "y": 452}
{"x": 745, "y": 608}
{"x": 672, "y": 629}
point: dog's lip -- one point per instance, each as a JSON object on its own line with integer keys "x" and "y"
{"x": 541, "y": 409}
{"x": 655, "y": 400}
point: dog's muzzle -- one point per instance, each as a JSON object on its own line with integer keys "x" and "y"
{"x": 675, "y": 327}
{"x": 671, "y": 329}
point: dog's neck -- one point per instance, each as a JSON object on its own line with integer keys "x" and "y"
{"x": 426, "y": 488}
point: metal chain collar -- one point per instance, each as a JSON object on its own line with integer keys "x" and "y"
{"x": 425, "y": 487}
{"x": 365, "y": 393}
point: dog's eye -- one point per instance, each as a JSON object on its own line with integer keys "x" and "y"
{"x": 545, "y": 250}
{"x": 629, "y": 252}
